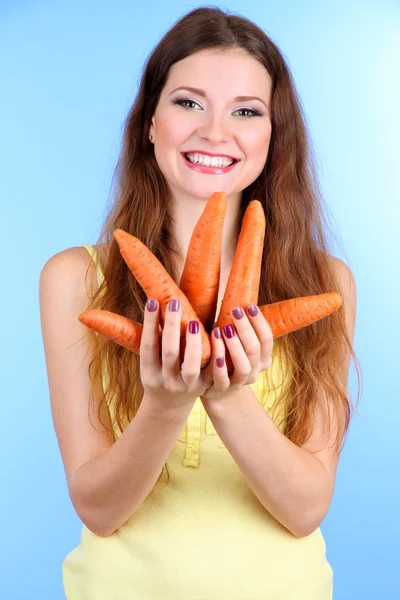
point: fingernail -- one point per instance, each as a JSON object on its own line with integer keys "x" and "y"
{"x": 193, "y": 327}
{"x": 253, "y": 310}
{"x": 217, "y": 333}
{"x": 237, "y": 312}
{"x": 220, "y": 361}
{"x": 173, "y": 305}
{"x": 151, "y": 305}
{"x": 229, "y": 331}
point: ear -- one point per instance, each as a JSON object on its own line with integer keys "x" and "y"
{"x": 152, "y": 129}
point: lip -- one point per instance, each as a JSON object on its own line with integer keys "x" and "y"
{"x": 210, "y": 154}
{"x": 209, "y": 170}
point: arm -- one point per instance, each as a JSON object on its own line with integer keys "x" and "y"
{"x": 109, "y": 488}
{"x": 106, "y": 481}
{"x": 294, "y": 484}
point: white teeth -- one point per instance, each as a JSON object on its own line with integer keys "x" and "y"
{"x": 208, "y": 161}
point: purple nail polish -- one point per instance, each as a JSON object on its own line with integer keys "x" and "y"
{"x": 193, "y": 327}
{"x": 238, "y": 312}
{"x": 217, "y": 333}
{"x": 220, "y": 361}
{"x": 229, "y": 331}
{"x": 174, "y": 305}
{"x": 253, "y": 310}
{"x": 151, "y": 304}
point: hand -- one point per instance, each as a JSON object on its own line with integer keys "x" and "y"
{"x": 170, "y": 389}
{"x": 250, "y": 342}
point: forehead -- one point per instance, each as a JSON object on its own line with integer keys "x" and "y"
{"x": 220, "y": 72}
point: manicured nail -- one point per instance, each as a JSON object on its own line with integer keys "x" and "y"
{"x": 253, "y": 310}
{"x": 174, "y": 305}
{"x": 220, "y": 361}
{"x": 151, "y": 304}
{"x": 194, "y": 327}
{"x": 237, "y": 312}
{"x": 217, "y": 333}
{"x": 229, "y": 331}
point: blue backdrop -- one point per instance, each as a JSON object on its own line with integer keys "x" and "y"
{"x": 69, "y": 73}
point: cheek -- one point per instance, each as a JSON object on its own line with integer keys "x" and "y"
{"x": 257, "y": 141}
{"x": 173, "y": 128}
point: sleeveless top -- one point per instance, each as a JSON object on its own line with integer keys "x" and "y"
{"x": 203, "y": 535}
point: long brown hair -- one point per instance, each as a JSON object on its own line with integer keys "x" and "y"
{"x": 295, "y": 259}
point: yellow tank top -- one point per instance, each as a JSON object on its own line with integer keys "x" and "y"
{"x": 205, "y": 535}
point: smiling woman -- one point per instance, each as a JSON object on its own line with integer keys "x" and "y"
{"x": 253, "y": 453}
{"x": 227, "y": 116}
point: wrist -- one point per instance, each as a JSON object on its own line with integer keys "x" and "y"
{"x": 226, "y": 401}
{"x": 166, "y": 407}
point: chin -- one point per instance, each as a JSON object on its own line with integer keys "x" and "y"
{"x": 205, "y": 191}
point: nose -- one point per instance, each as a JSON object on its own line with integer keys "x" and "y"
{"x": 214, "y": 130}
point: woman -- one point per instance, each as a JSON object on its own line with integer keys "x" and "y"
{"x": 252, "y": 456}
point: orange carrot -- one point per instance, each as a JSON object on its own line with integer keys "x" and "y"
{"x": 244, "y": 279}
{"x": 283, "y": 317}
{"x": 158, "y": 284}
{"x": 242, "y": 288}
{"x": 295, "y": 313}
{"x": 120, "y": 330}
{"x": 115, "y": 327}
{"x": 200, "y": 277}
{"x": 289, "y": 315}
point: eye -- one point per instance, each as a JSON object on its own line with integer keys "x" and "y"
{"x": 181, "y": 102}
{"x": 251, "y": 110}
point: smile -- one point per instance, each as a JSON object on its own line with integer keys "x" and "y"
{"x": 209, "y": 170}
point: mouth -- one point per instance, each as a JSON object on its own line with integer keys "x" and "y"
{"x": 212, "y": 170}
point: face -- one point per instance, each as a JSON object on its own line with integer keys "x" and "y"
{"x": 216, "y": 123}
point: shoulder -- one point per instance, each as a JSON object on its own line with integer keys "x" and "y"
{"x": 68, "y": 260}
{"x": 70, "y": 271}
{"x": 346, "y": 279}
{"x": 348, "y": 290}
{"x": 66, "y": 285}
{"x": 73, "y": 263}
{"x": 340, "y": 267}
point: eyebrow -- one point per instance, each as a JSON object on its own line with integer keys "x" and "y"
{"x": 203, "y": 94}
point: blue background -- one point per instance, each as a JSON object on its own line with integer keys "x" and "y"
{"x": 69, "y": 73}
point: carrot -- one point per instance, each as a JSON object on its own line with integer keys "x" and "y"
{"x": 295, "y": 313}
{"x": 242, "y": 287}
{"x": 158, "y": 284}
{"x": 200, "y": 277}
{"x": 289, "y": 315}
{"x": 283, "y": 317}
{"x": 115, "y": 327}
{"x": 119, "y": 329}
{"x": 244, "y": 279}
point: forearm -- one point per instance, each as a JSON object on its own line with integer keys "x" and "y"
{"x": 108, "y": 489}
{"x": 290, "y": 482}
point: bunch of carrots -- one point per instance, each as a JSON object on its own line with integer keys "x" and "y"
{"x": 199, "y": 283}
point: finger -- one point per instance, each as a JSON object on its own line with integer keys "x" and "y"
{"x": 264, "y": 334}
{"x": 221, "y": 381}
{"x": 171, "y": 335}
{"x": 241, "y": 364}
{"x": 190, "y": 369}
{"x": 248, "y": 337}
{"x": 150, "y": 342}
